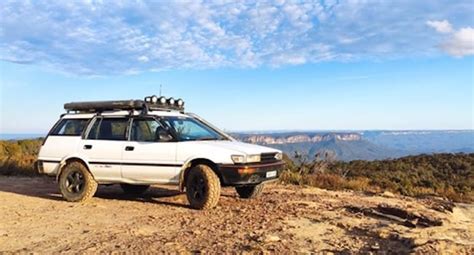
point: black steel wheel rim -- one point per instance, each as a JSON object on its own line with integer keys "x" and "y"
{"x": 198, "y": 188}
{"x": 75, "y": 182}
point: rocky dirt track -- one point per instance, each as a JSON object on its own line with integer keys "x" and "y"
{"x": 286, "y": 219}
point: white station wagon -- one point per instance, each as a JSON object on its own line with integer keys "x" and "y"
{"x": 136, "y": 143}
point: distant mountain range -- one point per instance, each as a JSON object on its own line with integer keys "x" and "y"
{"x": 365, "y": 145}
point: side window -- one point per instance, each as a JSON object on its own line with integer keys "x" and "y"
{"x": 109, "y": 129}
{"x": 188, "y": 129}
{"x": 70, "y": 127}
{"x": 146, "y": 130}
{"x": 94, "y": 130}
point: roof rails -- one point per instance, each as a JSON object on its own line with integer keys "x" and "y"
{"x": 150, "y": 103}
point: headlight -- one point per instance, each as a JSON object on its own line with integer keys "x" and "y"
{"x": 238, "y": 159}
{"x": 279, "y": 156}
{"x": 171, "y": 101}
{"x": 253, "y": 158}
{"x": 154, "y": 99}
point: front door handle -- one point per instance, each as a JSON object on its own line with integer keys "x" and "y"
{"x": 129, "y": 148}
{"x": 87, "y": 147}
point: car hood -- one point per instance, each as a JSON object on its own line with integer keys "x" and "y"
{"x": 240, "y": 147}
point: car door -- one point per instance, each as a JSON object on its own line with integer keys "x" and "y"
{"x": 103, "y": 147}
{"x": 150, "y": 154}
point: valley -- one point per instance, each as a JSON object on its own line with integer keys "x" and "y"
{"x": 363, "y": 145}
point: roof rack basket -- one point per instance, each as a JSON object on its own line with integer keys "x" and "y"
{"x": 147, "y": 104}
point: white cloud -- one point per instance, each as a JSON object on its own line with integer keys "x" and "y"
{"x": 143, "y": 59}
{"x": 96, "y": 38}
{"x": 459, "y": 43}
{"x": 442, "y": 26}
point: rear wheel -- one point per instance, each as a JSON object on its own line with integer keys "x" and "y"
{"x": 76, "y": 183}
{"x": 250, "y": 191}
{"x": 203, "y": 187}
{"x": 134, "y": 189}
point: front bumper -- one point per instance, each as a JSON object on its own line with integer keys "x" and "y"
{"x": 249, "y": 174}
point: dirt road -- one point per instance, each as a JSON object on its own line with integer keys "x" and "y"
{"x": 285, "y": 219}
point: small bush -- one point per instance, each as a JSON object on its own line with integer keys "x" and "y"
{"x": 325, "y": 181}
{"x": 18, "y": 157}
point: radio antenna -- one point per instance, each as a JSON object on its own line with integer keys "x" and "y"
{"x": 160, "y": 89}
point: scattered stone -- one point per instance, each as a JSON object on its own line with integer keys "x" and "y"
{"x": 388, "y": 194}
{"x": 272, "y": 238}
{"x": 375, "y": 246}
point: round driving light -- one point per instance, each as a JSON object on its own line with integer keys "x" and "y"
{"x": 162, "y": 100}
{"x": 180, "y": 102}
{"x": 171, "y": 101}
{"x": 154, "y": 99}
{"x": 148, "y": 99}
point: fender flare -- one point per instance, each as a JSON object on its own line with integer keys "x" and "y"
{"x": 187, "y": 165}
{"x": 64, "y": 161}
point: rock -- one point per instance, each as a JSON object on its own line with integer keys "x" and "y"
{"x": 375, "y": 246}
{"x": 271, "y": 239}
{"x": 388, "y": 194}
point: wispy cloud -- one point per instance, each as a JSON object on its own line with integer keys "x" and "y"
{"x": 442, "y": 26}
{"x": 96, "y": 37}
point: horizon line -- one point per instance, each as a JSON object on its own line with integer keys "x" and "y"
{"x": 290, "y": 130}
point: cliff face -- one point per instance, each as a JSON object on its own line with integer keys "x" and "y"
{"x": 301, "y": 138}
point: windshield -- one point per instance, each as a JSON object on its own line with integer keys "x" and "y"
{"x": 189, "y": 129}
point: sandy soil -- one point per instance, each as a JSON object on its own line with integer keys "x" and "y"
{"x": 285, "y": 219}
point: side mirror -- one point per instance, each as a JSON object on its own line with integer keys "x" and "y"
{"x": 162, "y": 135}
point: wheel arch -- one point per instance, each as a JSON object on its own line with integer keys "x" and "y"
{"x": 197, "y": 161}
{"x": 70, "y": 159}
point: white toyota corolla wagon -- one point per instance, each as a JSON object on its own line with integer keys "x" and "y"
{"x": 136, "y": 143}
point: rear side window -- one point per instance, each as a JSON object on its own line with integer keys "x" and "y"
{"x": 70, "y": 127}
{"x": 109, "y": 129}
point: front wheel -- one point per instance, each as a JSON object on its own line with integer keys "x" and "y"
{"x": 203, "y": 187}
{"x": 250, "y": 191}
{"x": 76, "y": 183}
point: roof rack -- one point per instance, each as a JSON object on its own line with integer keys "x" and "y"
{"x": 150, "y": 103}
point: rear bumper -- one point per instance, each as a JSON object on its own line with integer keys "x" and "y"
{"x": 247, "y": 174}
{"x": 48, "y": 167}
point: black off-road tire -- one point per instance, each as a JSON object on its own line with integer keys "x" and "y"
{"x": 250, "y": 191}
{"x": 135, "y": 190}
{"x": 203, "y": 187}
{"x": 76, "y": 183}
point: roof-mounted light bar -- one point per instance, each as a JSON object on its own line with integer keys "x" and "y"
{"x": 155, "y": 102}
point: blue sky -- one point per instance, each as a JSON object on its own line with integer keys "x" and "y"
{"x": 312, "y": 65}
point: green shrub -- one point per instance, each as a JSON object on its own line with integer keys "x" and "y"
{"x": 446, "y": 175}
{"x": 18, "y": 157}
